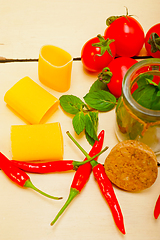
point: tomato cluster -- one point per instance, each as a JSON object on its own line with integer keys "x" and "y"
{"x": 123, "y": 39}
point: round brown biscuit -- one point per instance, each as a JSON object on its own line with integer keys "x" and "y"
{"x": 131, "y": 165}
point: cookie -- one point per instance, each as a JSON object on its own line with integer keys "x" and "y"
{"x": 131, "y": 165}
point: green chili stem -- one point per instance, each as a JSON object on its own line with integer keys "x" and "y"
{"x": 93, "y": 163}
{"x": 29, "y": 184}
{"x": 73, "y": 193}
{"x": 77, "y": 163}
{"x": 82, "y": 149}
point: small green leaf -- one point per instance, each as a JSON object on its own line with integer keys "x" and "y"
{"x": 151, "y": 82}
{"x": 155, "y": 104}
{"x": 144, "y": 79}
{"x": 89, "y": 139}
{"x": 91, "y": 120}
{"x": 79, "y": 122}
{"x": 100, "y": 100}
{"x": 71, "y": 103}
{"x": 98, "y": 85}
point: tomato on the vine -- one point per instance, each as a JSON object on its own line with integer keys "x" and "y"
{"x": 152, "y": 41}
{"x": 119, "y": 66}
{"x": 128, "y": 35}
{"x": 97, "y": 53}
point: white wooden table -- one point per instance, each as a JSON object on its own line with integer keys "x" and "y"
{"x": 25, "y": 26}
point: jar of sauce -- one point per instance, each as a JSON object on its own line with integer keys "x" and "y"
{"x": 133, "y": 121}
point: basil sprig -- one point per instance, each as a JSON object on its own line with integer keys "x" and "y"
{"x": 84, "y": 119}
{"x": 86, "y": 113}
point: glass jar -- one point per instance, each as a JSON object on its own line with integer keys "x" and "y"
{"x": 134, "y": 121}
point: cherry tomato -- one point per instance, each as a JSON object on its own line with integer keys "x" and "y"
{"x": 128, "y": 35}
{"x": 119, "y": 67}
{"x": 153, "y": 29}
{"x": 97, "y": 53}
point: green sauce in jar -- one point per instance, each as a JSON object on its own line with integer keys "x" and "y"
{"x": 134, "y": 121}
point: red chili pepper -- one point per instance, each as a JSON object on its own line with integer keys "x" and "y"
{"x": 46, "y": 167}
{"x": 157, "y": 208}
{"x": 82, "y": 175}
{"x": 108, "y": 192}
{"x": 18, "y": 176}
{"x": 50, "y": 167}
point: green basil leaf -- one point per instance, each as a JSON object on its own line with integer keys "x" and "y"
{"x": 79, "y": 122}
{"x": 143, "y": 95}
{"x": 100, "y": 100}
{"x": 89, "y": 139}
{"x": 158, "y": 94}
{"x": 91, "y": 121}
{"x": 98, "y": 85}
{"x": 71, "y": 103}
{"x": 144, "y": 79}
{"x": 155, "y": 104}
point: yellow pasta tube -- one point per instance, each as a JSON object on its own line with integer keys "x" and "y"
{"x": 37, "y": 142}
{"x": 31, "y": 101}
{"x": 55, "y": 67}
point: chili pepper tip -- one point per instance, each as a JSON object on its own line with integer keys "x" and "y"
{"x": 157, "y": 208}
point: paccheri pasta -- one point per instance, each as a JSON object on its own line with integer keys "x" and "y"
{"x": 31, "y": 101}
{"x": 37, "y": 142}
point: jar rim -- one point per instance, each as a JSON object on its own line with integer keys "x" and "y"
{"x": 126, "y": 83}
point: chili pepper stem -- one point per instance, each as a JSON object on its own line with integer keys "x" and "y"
{"x": 29, "y": 184}
{"x": 77, "y": 144}
{"x": 77, "y": 163}
{"x": 83, "y": 151}
{"x": 73, "y": 193}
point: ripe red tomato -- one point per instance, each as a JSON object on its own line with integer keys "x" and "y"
{"x": 153, "y": 29}
{"x": 119, "y": 67}
{"x": 95, "y": 58}
{"x": 128, "y": 35}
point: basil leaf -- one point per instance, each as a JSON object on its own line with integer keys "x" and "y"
{"x": 79, "y": 122}
{"x": 91, "y": 120}
{"x": 144, "y": 79}
{"x": 98, "y": 85}
{"x": 100, "y": 100}
{"x": 89, "y": 139}
{"x": 143, "y": 95}
{"x": 155, "y": 104}
{"x": 71, "y": 103}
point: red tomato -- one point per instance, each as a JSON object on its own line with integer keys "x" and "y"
{"x": 119, "y": 67}
{"x": 91, "y": 55}
{"x": 153, "y": 29}
{"x": 128, "y": 35}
